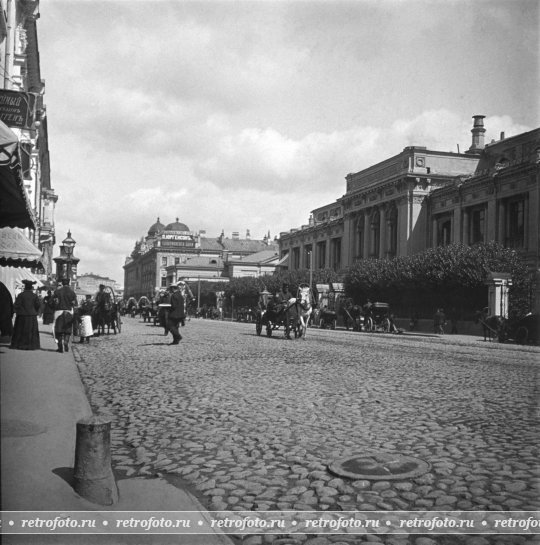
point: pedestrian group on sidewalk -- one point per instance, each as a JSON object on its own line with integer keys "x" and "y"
{"x": 59, "y": 309}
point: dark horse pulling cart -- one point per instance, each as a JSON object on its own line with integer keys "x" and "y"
{"x": 106, "y": 313}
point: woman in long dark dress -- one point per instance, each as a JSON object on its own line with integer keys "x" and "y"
{"x": 26, "y": 329}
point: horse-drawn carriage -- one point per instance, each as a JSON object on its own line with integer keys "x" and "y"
{"x": 329, "y": 305}
{"x": 147, "y": 309}
{"x": 106, "y": 313}
{"x": 292, "y": 315}
{"x": 377, "y": 317}
{"x": 524, "y": 330}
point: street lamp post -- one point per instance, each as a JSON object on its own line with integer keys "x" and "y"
{"x": 311, "y": 268}
{"x": 69, "y": 246}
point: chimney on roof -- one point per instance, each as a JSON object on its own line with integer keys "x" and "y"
{"x": 502, "y": 135}
{"x": 248, "y": 235}
{"x": 477, "y": 135}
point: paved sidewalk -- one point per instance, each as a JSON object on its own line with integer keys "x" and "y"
{"x": 42, "y": 398}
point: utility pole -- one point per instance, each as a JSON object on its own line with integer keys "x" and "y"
{"x": 311, "y": 269}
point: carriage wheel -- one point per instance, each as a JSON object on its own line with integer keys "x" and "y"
{"x": 258, "y": 328}
{"x": 369, "y": 324}
{"x": 522, "y": 334}
{"x": 269, "y": 330}
{"x": 386, "y": 325}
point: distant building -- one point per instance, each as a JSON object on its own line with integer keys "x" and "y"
{"x": 90, "y": 282}
{"x": 173, "y": 251}
{"x": 253, "y": 265}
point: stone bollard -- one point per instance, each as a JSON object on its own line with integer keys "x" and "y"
{"x": 94, "y": 479}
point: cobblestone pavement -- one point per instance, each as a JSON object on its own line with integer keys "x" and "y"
{"x": 251, "y": 423}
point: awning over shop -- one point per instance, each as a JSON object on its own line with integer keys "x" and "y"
{"x": 12, "y": 278}
{"x": 15, "y": 208}
{"x": 16, "y": 250}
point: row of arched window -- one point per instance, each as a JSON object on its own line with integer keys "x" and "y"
{"x": 376, "y": 233}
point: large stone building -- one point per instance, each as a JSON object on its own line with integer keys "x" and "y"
{"x": 173, "y": 251}
{"x": 423, "y": 198}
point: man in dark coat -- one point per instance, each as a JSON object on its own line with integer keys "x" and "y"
{"x": 177, "y": 313}
{"x": 26, "y": 330}
{"x": 282, "y": 300}
{"x": 65, "y": 300}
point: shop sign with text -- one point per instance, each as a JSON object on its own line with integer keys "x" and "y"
{"x": 17, "y": 109}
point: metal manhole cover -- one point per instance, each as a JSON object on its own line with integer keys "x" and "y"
{"x": 379, "y": 466}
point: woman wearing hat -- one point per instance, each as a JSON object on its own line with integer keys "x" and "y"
{"x": 26, "y": 330}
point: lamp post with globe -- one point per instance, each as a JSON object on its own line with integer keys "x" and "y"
{"x": 66, "y": 263}
{"x": 69, "y": 246}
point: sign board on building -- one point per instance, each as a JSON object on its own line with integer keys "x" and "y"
{"x": 17, "y": 109}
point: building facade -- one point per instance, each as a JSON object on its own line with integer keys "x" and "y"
{"x": 498, "y": 202}
{"x": 23, "y": 110}
{"x": 422, "y": 198}
{"x": 90, "y": 282}
{"x": 173, "y": 251}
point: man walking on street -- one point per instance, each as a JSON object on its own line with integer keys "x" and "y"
{"x": 64, "y": 301}
{"x": 176, "y": 314}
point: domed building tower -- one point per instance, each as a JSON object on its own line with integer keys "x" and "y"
{"x": 164, "y": 246}
{"x": 155, "y": 229}
{"x": 176, "y": 226}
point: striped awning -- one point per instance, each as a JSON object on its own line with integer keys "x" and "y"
{"x": 16, "y": 250}
{"x": 12, "y": 278}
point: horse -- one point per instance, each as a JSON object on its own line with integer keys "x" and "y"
{"x": 351, "y": 315}
{"x": 492, "y": 326}
{"x": 106, "y": 315}
{"x": 304, "y": 308}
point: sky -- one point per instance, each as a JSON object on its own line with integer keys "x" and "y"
{"x": 237, "y": 115}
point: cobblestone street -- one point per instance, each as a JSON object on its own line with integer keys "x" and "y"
{"x": 251, "y": 423}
